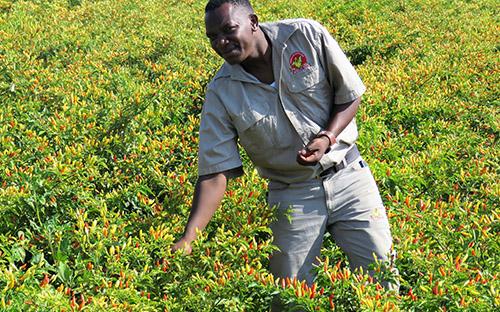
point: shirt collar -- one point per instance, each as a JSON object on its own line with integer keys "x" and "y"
{"x": 278, "y": 33}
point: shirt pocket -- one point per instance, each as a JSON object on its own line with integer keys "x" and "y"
{"x": 309, "y": 93}
{"x": 256, "y": 129}
{"x": 258, "y": 135}
{"x": 305, "y": 79}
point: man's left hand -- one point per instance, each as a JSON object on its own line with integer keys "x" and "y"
{"x": 312, "y": 153}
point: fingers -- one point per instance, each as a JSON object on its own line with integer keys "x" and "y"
{"x": 312, "y": 153}
{"x": 320, "y": 144}
{"x": 182, "y": 245}
{"x": 308, "y": 159}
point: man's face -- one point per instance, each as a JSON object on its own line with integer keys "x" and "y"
{"x": 231, "y": 32}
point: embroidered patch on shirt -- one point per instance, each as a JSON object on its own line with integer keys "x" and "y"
{"x": 298, "y": 62}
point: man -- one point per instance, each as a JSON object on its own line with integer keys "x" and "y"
{"x": 289, "y": 94}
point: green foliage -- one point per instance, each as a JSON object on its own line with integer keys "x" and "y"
{"x": 98, "y": 142}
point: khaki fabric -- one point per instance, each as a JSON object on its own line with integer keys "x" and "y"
{"x": 348, "y": 206}
{"x": 312, "y": 74}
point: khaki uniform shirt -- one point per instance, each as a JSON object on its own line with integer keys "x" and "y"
{"x": 273, "y": 123}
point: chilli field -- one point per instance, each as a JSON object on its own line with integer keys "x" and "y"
{"x": 99, "y": 113}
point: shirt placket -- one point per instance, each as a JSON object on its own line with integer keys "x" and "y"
{"x": 290, "y": 114}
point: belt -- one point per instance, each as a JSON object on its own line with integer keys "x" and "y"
{"x": 351, "y": 156}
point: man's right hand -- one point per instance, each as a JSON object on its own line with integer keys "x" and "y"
{"x": 183, "y": 244}
{"x": 208, "y": 194}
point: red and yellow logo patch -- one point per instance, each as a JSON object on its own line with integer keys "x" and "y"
{"x": 298, "y": 62}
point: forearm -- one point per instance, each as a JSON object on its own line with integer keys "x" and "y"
{"x": 342, "y": 115}
{"x": 208, "y": 195}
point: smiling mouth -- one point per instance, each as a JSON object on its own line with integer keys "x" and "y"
{"x": 230, "y": 52}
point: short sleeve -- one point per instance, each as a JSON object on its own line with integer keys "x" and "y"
{"x": 218, "y": 148}
{"x": 343, "y": 78}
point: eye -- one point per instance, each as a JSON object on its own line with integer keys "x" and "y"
{"x": 229, "y": 29}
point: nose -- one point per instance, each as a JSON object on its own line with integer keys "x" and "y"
{"x": 220, "y": 42}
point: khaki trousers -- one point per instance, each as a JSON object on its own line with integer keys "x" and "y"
{"x": 347, "y": 204}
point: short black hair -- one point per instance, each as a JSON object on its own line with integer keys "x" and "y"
{"x": 214, "y": 4}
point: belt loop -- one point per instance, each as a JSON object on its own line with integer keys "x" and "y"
{"x": 344, "y": 163}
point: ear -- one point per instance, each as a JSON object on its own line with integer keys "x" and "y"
{"x": 254, "y": 22}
